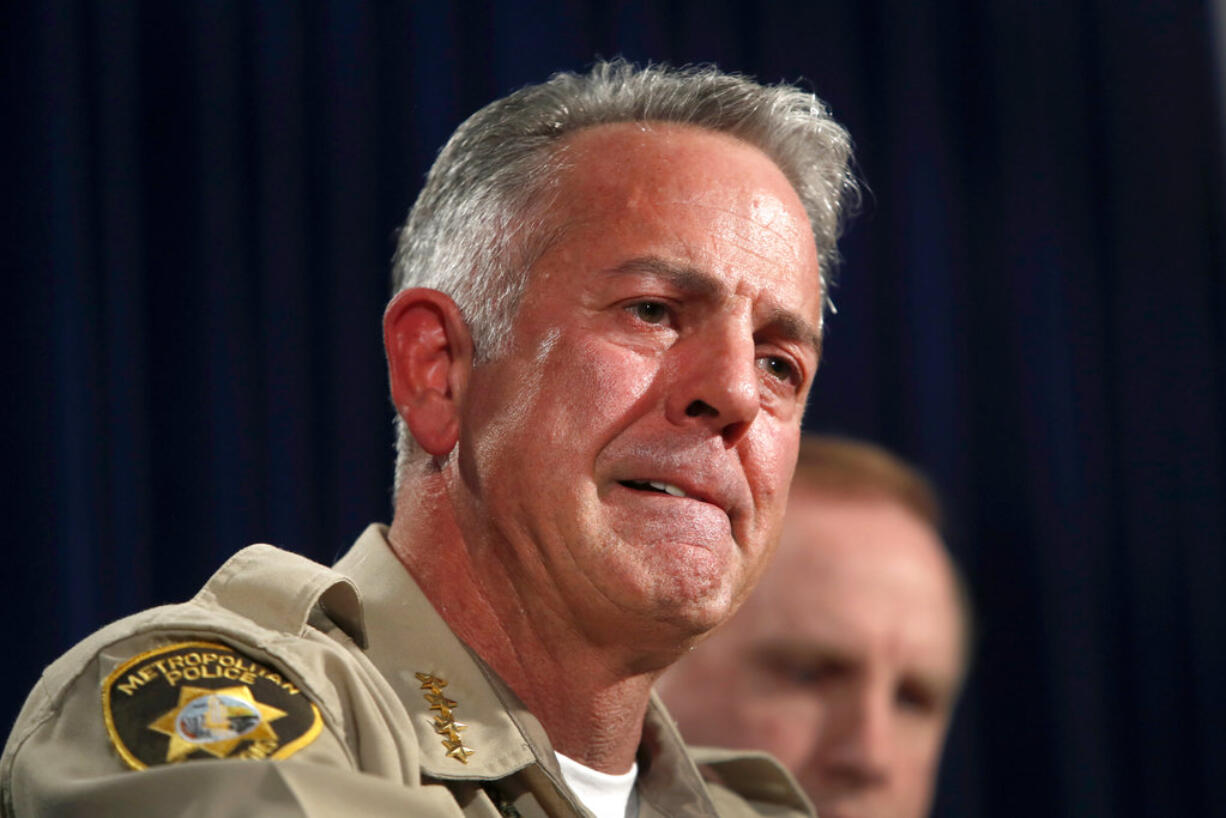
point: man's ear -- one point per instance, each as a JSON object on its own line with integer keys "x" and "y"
{"x": 429, "y": 358}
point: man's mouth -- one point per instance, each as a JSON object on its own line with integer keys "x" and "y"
{"x": 654, "y": 485}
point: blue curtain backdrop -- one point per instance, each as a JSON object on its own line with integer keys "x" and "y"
{"x": 199, "y": 205}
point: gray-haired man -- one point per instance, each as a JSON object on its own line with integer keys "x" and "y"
{"x": 607, "y": 319}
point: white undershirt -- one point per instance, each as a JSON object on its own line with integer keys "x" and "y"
{"x": 607, "y": 796}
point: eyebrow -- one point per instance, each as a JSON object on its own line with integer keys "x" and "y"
{"x": 813, "y": 651}
{"x": 797, "y": 649}
{"x": 783, "y": 322}
{"x": 794, "y": 328}
{"x": 687, "y": 279}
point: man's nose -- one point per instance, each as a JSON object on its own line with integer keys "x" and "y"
{"x": 858, "y": 746}
{"x": 714, "y": 382}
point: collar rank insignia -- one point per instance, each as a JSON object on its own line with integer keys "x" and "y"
{"x": 195, "y": 700}
{"x": 444, "y": 723}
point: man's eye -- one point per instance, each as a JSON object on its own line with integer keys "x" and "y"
{"x": 650, "y": 312}
{"x": 915, "y": 697}
{"x": 803, "y": 673}
{"x": 779, "y": 368}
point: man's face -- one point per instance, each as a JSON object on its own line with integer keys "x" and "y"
{"x": 628, "y": 458}
{"x": 844, "y": 663}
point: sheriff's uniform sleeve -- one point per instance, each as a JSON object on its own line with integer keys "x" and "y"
{"x": 247, "y": 700}
{"x": 193, "y": 727}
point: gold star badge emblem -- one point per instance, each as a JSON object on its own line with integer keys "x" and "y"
{"x": 216, "y": 721}
{"x": 185, "y": 701}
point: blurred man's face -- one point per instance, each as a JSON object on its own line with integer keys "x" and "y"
{"x": 844, "y": 663}
{"x": 629, "y": 456}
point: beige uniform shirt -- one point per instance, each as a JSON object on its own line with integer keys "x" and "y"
{"x": 285, "y": 688}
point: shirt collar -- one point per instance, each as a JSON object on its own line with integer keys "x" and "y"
{"x": 407, "y": 637}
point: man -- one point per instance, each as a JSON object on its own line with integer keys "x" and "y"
{"x": 607, "y": 319}
{"x": 846, "y": 660}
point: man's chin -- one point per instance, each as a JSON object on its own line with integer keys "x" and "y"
{"x": 669, "y": 628}
{"x": 692, "y": 619}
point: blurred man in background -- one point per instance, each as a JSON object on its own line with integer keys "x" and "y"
{"x": 847, "y": 659}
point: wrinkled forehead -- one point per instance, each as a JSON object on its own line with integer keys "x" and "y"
{"x": 668, "y": 160}
{"x": 869, "y": 555}
{"x": 649, "y": 172}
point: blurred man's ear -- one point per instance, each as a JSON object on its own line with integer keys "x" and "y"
{"x": 429, "y": 357}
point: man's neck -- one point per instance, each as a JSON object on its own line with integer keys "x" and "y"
{"x": 590, "y": 699}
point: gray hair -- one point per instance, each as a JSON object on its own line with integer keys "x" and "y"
{"x": 479, "y": 223}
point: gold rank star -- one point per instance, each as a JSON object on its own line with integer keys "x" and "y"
{"x": 208, "y": 709}
{"x": 445, "y": 727}
{"x": 438, "y": 701}
{"x": 441, "y": 703}
{"x": 457, "y": 750}
{"x": 431, "y": 682}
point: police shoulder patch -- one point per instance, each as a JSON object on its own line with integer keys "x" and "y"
{"x": 195, "y": 700}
